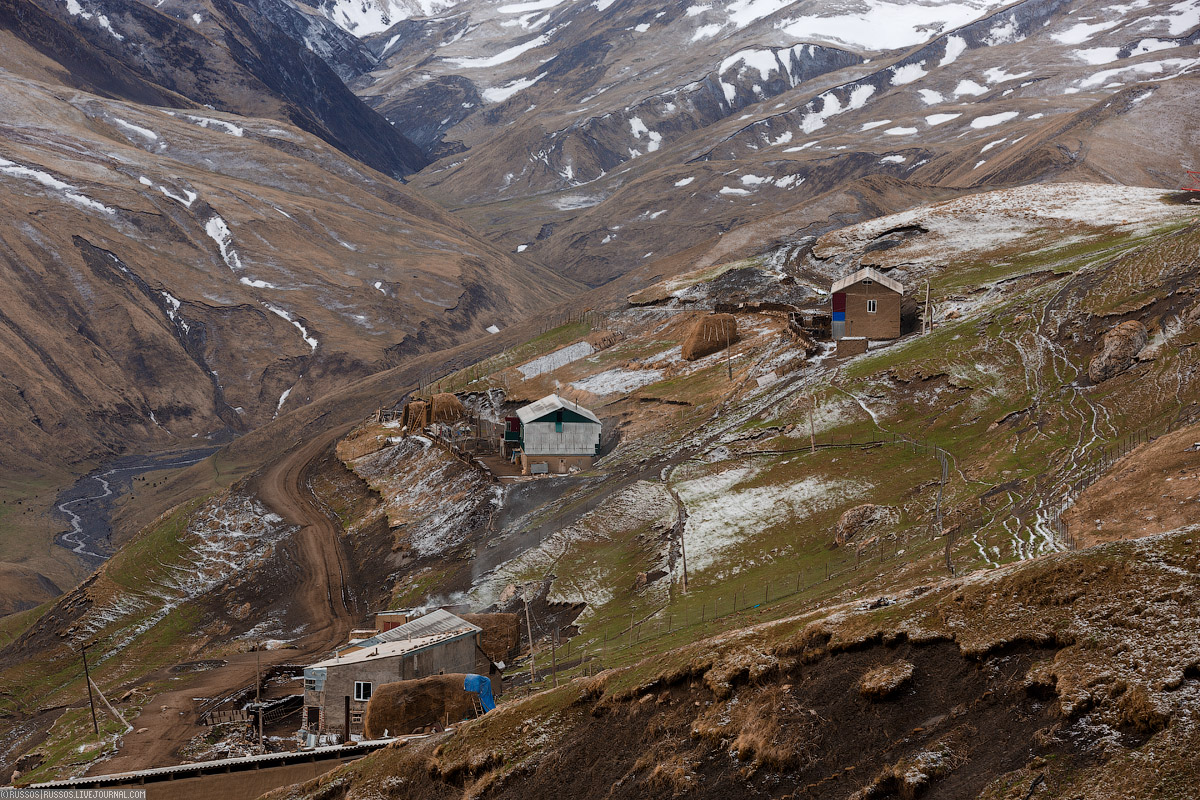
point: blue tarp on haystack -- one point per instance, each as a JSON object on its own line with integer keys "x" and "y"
{"x": 481, "y": 686}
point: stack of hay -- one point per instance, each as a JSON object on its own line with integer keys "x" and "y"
{"x": 412, "y": 706}
{"x": 416, "y": 415}
{"x": 446, "y": 408}
{"x": 709, "y": 335}
{"x": 501, "y": 634}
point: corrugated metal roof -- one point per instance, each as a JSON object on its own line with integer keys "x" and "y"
{"x": 867, "y": 273}
{"x": 225, "y": 765}
{"x": 380, "y": 650}
{"x": 550, "y": 403}
{"x": 435, "y": 622}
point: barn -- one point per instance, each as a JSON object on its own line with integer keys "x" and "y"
{"x": 553, "y": 436}
{"x": 866, "y": 305}
{"x": 337, "y": 690}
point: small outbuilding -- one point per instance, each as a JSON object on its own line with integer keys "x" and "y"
{"x": 553, "y": 436}
{"x": 866, "y": 305}
{"x": 337, "y": 690}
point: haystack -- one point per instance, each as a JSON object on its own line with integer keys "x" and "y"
{"x": 447, "y": 408}
{"x": 501, "y": 634}
{"x": 416, "y": 415}
{"x": 709, "y": 335}
{"x": 409, "y": 706}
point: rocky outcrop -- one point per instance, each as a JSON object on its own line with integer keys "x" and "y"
{"x": 861, "y": 519}
{"x": 1117, "y": 350}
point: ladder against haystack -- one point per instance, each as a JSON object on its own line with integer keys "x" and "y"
{"x": 419, "y": 414}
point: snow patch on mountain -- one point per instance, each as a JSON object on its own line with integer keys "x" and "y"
{"x": 992, "y": 120}
{"x": 367, "y": 17}
{"x": 309, "y": 339}
{"x": 217, "y": 124}
{"x": 145, "y": 133}
{"x": 883, "y": 25}
{"x": 219, "y": 232}
{"x": 498, "y": 94}
{"x": 503, "y": 57}
{"x": 50, "y": 182}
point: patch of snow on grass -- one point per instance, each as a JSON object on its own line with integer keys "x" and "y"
{"x": 219, "y": 232}
{"x": 900, "y": 131}
{"x": 938, "y": 119}
{"x": 88, "y": 203}
{"x": 498, "y": 94}
{"x": 985, "y": 221}
{"x": 860, "y": 95}
{"x": 617, "y": 381}
{"x": 45, "y": 179}
{"x": 879, "y": 123}
{"x": 727, "y": 190}
{"x": 969, "y": 88}
{"x": 930, "y": 98}
{"x": 955, "y": 47}
{"x": 552, "y": 361}
{"x": 311, "y": 341}
{"x": 503, "y": 57}
{"x": 992, "y": 120}
{"x": 1098, "y": 55}
{"x": 1180, "y": 66}
{"x": 999, "y": 75}
{"x": 721, "y": 515}
{"x": 1082, "y": 31}
{"x": 683, "y": 182}
{"x": 218, "y": 124}
{"x": 892, "y": 160}
{"x": 908, "y": 73}
{"x": 884, "y": 25}
{"x": 571, "y": 202}
{"x": 145, "y": 133}
{"x": 185, "y": 200}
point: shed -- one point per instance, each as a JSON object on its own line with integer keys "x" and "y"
{"x": 556, "y": 436}
{"x": 867, "y": 304}
{"x": 337, "y": 690}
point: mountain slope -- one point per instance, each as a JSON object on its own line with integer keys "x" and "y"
{"x": 230, "y": 58}
{"x": 597, "y": 135}
{"x": 169, "y": 274}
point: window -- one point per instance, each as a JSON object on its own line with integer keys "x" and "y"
{"x": 362, "y": 691}
{"x": 871, "y": 307}
{"x": 558, "y": 421}
{"x": 867, "y": 281}
{"x": 310, "y": 685}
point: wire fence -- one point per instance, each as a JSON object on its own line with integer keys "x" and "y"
{"x": 695, "y": 619}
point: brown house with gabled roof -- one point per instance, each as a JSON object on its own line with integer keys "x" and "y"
{"x": 866, "y": 305}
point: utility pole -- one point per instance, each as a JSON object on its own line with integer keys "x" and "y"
{"x": 87, "y": 676}
{"x": 728, "y": 356}
{"x": 529, "y": 629}
{"x": 258, "y": 690}
{"x": 812, "y": 429}
{"x": 927, "y": 322}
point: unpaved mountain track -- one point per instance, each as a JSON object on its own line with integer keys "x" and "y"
{"x": 322, "y": 600}
{"x": 323, "y": 597}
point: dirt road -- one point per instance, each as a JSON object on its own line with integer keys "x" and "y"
{"x": 322, "y": 600}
